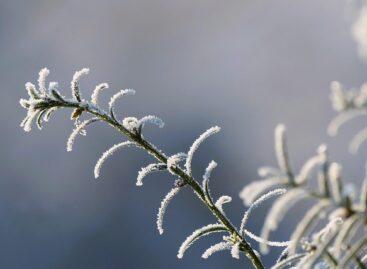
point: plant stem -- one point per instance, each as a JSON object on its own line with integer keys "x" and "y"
{"x": 188, "y": 179}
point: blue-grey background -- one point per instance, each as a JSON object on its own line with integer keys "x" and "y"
{"x": 244, "y": 65}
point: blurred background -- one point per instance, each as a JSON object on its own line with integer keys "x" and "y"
{"x": 244, "y": 65}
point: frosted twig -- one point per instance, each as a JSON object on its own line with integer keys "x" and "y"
{"x": 147, "y": 170}
{"x": 281, "y": 151}
{"x": 75, "y": 82}
{"x": 342, "y": 118}
{"x": 162, "y": 209}
{"x": 109, "y": 153}
{"x": 196, "y": 145}
{"x": 97, "y": 90}
{"x": 76, "y": 131}
{"x": 215, "y": 248}
{"x": 197, "y": 234}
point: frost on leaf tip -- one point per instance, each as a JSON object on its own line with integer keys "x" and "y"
{"x": 196, "y": 145}
{"x": 147, "y": 170}
{"x": 97, "y": 90}
{"x": 215, "y": 248}
{"x": 42, "y": 80}
{"x": 173, "y": 161}
{"x": 118, "y": 95}
{"x": 150, "y": 119}
{"x": 130, "y": 123}
{"x": 162, "y": 209}
{"x": 197, "y": 234}
{"x": 253, "y": 190}
{"x": 108, "y": 153}
{"x": 281, "y": 150}
{"x": 75, "y": 82}
{"x": 235, "y": 251}
{"x": 259, "y": 201}
{"x": 80, "y": 127}
{"x": 221, "y": 201}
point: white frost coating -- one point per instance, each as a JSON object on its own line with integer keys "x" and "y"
{"x": 359, "y": 32}
{"x": 80, "y": 127}
{"x": 162, "y": 209}
{"x": 235, "y": 251}
{"x": 334, "y": 179}
{"x": 342, "y": 118}
{"x": 196, "y": 145}
{"x": 277, "y": 212}
{"x": 42, "y": 80}
{"x": 311, "y": 216}
{"x": 215, "y": 248}
{"x": 108, "y": 153}
{"x": 173, "y": 160}
{"x": 118, "y": 95}
{"x": 130, "y": 123}
{"x": 221, "y": 201}
{"x": 97, "y": 90}
{"x": 74, "y": 83}
{"x": 147, "y": 170}
{"x": 266, "y": 242}
{"x": 329, "y": 230}
{"x": 197, "y": 234}
{"x": 253, "y": 190}
{"x": 342, "y": 237}
{"x": 53, "y": 85}
{"x": 31, "y": 90}
{"x": 150, "y": 119}
{"x": 281, "y": 149}
{"x": 357, "y": 141}
{"x": 311, "y": 164}
{"x": 27, "y": 123}
{"x": 337, "y": 96}
{"x": 208, "y": 171}
{"x": 259, "y": 201}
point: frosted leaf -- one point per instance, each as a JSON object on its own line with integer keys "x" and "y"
{"x": 221, "y": 201}
{"x": 107, "y": 154}
{"x": 27, "y": 122}
{"x": 259, "y": 201}
{"x": 345, "y": 231}
{"x": 281, "y": 150}
{"x": 309, "y": 166}
{"x": 53, "y": 86}
{"x": 173, "y": 161}
{"x": 42, "y": 80}
{"x": 334, "y": 179}
{"x": 277, "y": 212}
{"x": 342, "y": 118}
{"x": 197, "y": 234}
{"x": 311, "y": 217}
{"x": 327, "y": 231}
{"x": 31, "y": 90}
{"x": 359, "y": 32}
{"x": 97, "y": 90}
{"x": 75, "y": 82}
{"x": 337, "y": 96}
{"x": 206, "y": 177}
{"x": 149, "y": 119}
{"x": 196, "y": 145}
{"x": 266, "y": 242}
{"x": 118, "y": 95}
{"x": 288, "y": 261}
{"x": 256, "y": 188}
{"x": 357, "y": 141}
{"x": 162, "y": 209}
{"x": 235, "y": 251}
{"x": 147, "y": 170}
{"x": 216, "y": 248}
{"x": 80, "y": 127}
{"x": 130, "y": 123}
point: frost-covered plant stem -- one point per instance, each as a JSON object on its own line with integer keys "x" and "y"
{"x": 162, "y": 158}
